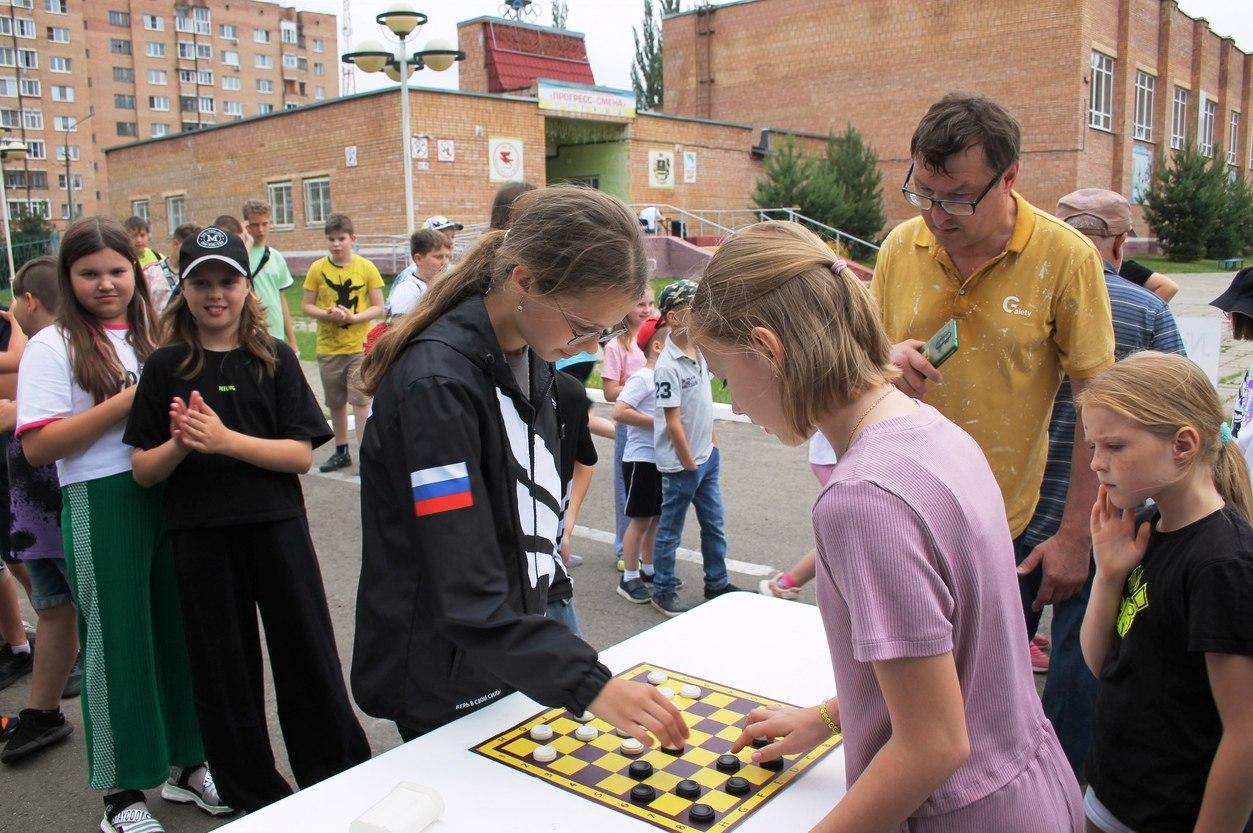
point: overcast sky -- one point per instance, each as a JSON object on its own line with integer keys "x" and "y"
{"x": 607, "y": 25}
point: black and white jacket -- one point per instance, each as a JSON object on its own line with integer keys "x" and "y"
{"x": 461, "y": 511}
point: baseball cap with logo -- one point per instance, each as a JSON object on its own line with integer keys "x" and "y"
{"x": 213, "y": 244}
{"x": 1110, "y": 207}
{"x": 441, "y": 223}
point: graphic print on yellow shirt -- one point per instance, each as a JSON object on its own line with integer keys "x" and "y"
{"x": 347, "y": 286}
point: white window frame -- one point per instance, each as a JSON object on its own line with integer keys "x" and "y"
{"x": 264, "y": 61}
{"x": 29, "y": 58}
{"x": 55, "y": 64}
{"x": 288, "y": 32}
{"x": 154, "y": 49}
{"x": 31, "y": 88}
{"x": 36, "y": 149}
{"x": 158, "y": 77}
{"x": 230, "y": 58}
{"x": 265, "y": 85}
{"x": 228, "y": 31}
{"x": 289, "y": 60}
{"x": 75, "y": 153}
{"x": 260, "y": 35}
{"x": 317, "y": 45}
{"x": 58, "y": 34}
{"x": 159, "y": 103}
{"x": 317, "y": 209}
{"x": 231, "y": 82}
{"x": 1146, "y": 90}
{"x": 265, "y": 108}
{"x": 65, "y": 124}
{"x": 1179, "y": 117}
{"x": 160, "y": 129}
{"x": 175, "y": 211}
{"x": 207, "y": 104}
{"x": 62, "y": 92}
{"x": 1101, "y": 94}
{"x": 1205, "y": 134}
{"x": 282, "y": 208}
{"x": 57, "y": 6}
{"x": 1233, "y": 138}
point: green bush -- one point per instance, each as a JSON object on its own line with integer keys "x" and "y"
{"x": 1198, "y": 207}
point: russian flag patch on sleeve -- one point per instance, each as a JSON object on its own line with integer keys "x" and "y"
{"x": 441, "y": 489}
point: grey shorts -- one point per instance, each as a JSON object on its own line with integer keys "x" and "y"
{"x": 341, "y": 381}
{"x": 49, "y": 583}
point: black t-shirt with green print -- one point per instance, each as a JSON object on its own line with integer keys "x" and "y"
{"x": 1157, "y": 726}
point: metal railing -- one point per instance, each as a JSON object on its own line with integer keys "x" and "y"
{"x": 727, "y": 220}
{"x": 24, "y": 250}
{"x": 705, "y": 226}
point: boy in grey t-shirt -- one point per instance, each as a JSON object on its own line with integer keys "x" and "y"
{"x": 686, "y": 456}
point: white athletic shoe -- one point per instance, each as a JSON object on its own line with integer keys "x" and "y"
{"x": 770, "y": 587}
{"x": 134, "y": 819}
{"x": 181, "y": 789}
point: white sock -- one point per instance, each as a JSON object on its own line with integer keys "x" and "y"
{"x": 628, "y": 575}
{"x": 647, "y": 569}
{"x": 24, "y": 648}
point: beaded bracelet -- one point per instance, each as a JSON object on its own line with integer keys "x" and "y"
{"x": 826, "y": 716}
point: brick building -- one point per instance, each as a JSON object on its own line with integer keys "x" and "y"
{"x": 344, "y": 155}
{"x": 143, "y": 68}
{"x": 1102, "y": 88}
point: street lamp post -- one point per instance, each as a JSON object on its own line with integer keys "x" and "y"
{"x": 69, "y": 182}
{"x": 372, "y": 56}
{"x": 14, "y": 149}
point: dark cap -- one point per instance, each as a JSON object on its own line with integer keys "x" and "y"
{"x": 1239, "y": 296}
{"x": 677, "y": 294}
{"x": 213, "y": 243}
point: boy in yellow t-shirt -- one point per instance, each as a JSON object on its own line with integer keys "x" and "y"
{"x": 344, "y": 293}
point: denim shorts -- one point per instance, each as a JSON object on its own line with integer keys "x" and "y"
{"x": 49, "y": 585}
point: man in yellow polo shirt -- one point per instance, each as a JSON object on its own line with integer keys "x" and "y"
{"x": 1028, "y": 295}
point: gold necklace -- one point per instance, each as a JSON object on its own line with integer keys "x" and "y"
{"x": 865, "y": 414}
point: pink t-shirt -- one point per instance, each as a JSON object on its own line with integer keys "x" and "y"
{"x": 621, "y": 362}
{"x": 915, "y": 560}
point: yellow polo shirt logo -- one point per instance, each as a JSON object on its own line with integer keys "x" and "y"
{"x": 1035, "y": 312}
{"x": 1013, "y": 305}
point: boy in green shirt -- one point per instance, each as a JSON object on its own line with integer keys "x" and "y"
{"x": 270, "y": 275}
{"x": 343, "y": 293}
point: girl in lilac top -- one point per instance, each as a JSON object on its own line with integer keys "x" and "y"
{"x": 942, "y": 726}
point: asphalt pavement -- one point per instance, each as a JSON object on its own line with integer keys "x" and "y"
{"x": 767, "y": 489}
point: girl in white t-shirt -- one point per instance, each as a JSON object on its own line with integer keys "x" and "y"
{"x": 76, "y": 383}
{"x": 623, "y": 357}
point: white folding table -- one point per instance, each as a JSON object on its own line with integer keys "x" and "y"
{"x": 757, "y": 644}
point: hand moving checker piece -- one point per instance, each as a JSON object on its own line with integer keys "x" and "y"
{"x": 681, "y": 792}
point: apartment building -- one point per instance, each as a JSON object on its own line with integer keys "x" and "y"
{"x": 142, "y": 69}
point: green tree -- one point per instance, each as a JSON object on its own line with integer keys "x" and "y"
{"x": 845, "y": 191}
{"x": 646, "y": 78}
{"x": 1182, "y": 203}
{"x": 561, "y": 13}
{"x": 28, "y": 225}
{"x": 785, "y": 176}
{"x": 1231, "y": 231}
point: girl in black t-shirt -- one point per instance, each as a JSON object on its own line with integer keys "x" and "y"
{"x": 223, "y": 414}
{"x": 1168, "y": 629}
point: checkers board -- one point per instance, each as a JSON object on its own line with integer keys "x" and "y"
{"x": 598, "y": 771}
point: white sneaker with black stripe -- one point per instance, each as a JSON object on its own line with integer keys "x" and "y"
{"x": 134, "y": 818}
{"x": 195, "y": 786}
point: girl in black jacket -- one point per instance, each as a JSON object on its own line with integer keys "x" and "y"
{"x": 460, "y": 489}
